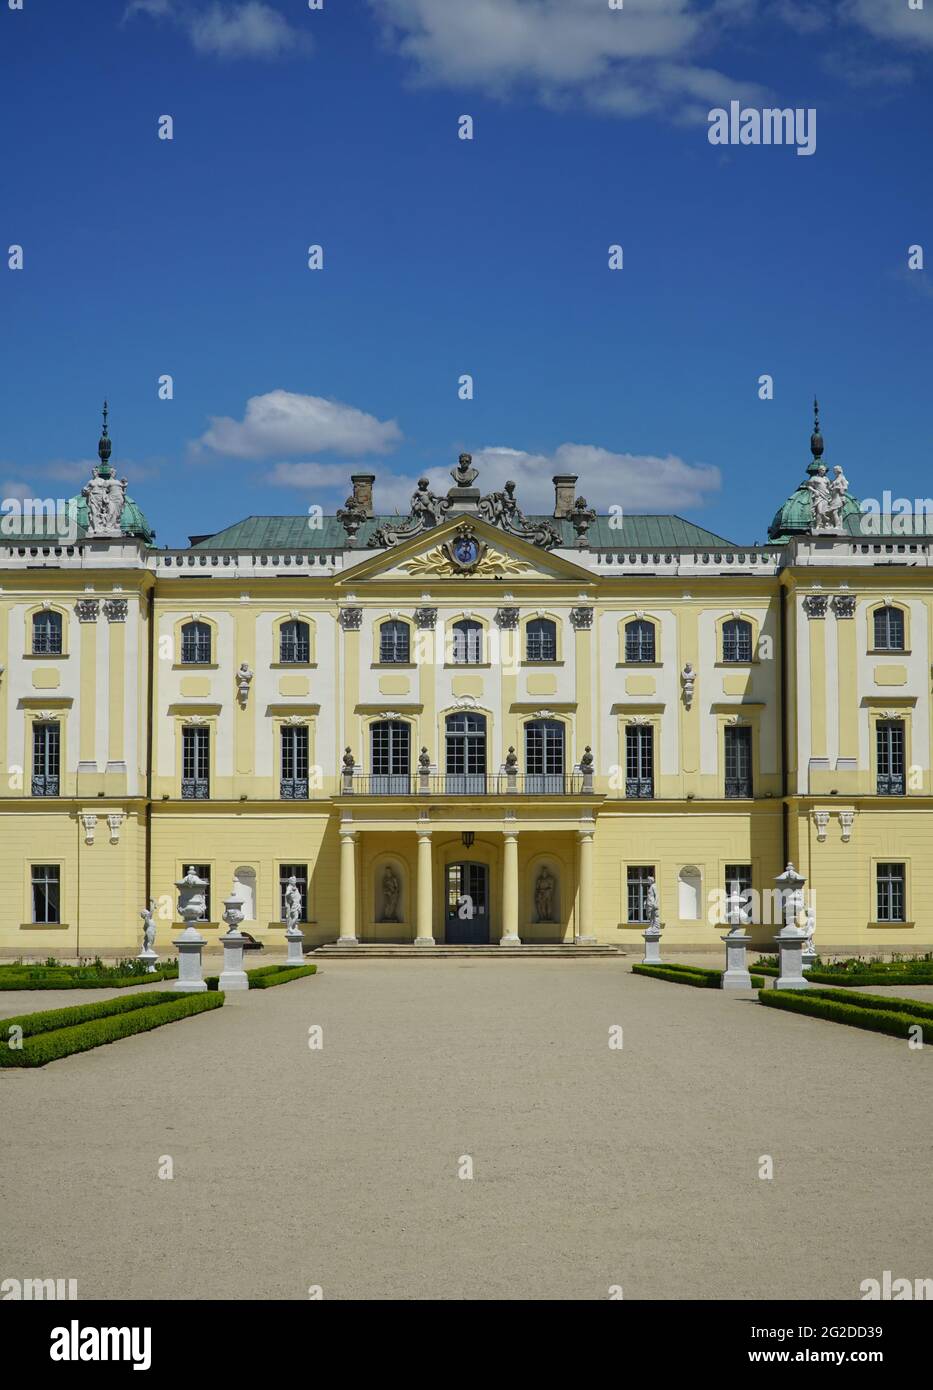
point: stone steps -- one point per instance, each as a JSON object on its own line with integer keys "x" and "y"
{"x": 387, "y": 951}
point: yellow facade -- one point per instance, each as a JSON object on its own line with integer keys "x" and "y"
{"x": 167, "y": 756}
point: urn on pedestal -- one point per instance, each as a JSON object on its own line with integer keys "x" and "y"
{"x": 234, "y": 976}
{"x": 192, "y": 906}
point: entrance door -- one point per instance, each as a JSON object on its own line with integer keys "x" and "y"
{"x": 467, "y": 915}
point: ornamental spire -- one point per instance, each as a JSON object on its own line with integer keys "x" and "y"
{"x": 816, "y": 438}
{"x": 104, "y": 448}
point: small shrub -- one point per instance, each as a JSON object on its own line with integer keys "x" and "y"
{"x": 701, "y": 977}
{"x": 892, "y": 1016}
{"x": 136, "y": 1014}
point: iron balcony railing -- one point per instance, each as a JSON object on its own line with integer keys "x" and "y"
{"x": 891, "y": 784}
{"x": 464, "y": 784}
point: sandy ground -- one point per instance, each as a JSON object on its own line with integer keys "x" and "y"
{"x": 592, "y": 1167}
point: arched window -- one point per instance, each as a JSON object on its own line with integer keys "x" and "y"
{"x": 544, "y": 756}
{"x": 467, "y": 642}
{"x": 390, "y": 750}
{"x": 294, "y": 641}
{"x": 639, "y": 640}
{"x": 466, "y": 753}
{"x": 196, "y": 644}
{"x": 394, "y": 643}
{"x": 541, "y": 640}
{"x": 46, "y": 632}
{"x": 737, "y": 640}
{"x": 889, "y": 629}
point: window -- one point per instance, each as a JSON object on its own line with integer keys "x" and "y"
{"x": 294, "y": 642}
{"x": 46, "y": 893}
{"x": 889, "y": 734}
{"x": 195, "y": 762}
{"x": 467, "y": 643}
{"x": 739, "y": 876}
{"x": 394, "y": 643}
{"x": 466, "y": 753}
{"x": 203, "y": 871}
{"x": 889, "y": 629}
{"x": 294, "y": 781}
{"x": 737, "y": 640}
{"x": 890, "y": 882}
{"x": 46, "y": 744}
{"x": 390, "y": 749}
{"x": 544, "y": 756}
{"x": 46, "y": 633}
{"x": 541, "y": 640}
{"x": 639, "y": 641}
{"x": 639, "y": 879}
{"x": 639, "y": 760}
{"x": 738, "y": 751}
{"x": 300, "y": 874}
{"x": 196, "y": 644}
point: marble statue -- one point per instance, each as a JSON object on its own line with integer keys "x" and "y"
{"x": 105, "y": 497}
{"x": 818, "y": 487}
{"x": 244, "y": 678}
{"x": 391, "y": 891}
{"x": 810, "y": 929}
{"x": 292, "y": 904}
{"x": 427, "y": 505}
{"x": 149, "y": 926}
{"x": 653, "y": 906}
{"x": 544, "y": 895}
{"x": 838, "y": 491}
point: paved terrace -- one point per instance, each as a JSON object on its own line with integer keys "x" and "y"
{"x": 592, "y": 1167}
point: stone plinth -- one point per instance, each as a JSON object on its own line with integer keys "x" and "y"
{"x": 790, "y": 943}
{"x": 190, "y": 977}
{"x": 234, "y": 976}
{"x": 652, "y": 939}
{"x": 736, "y": 975}
{"x": 149, "y": 960}
{"x": 296, "y": 942}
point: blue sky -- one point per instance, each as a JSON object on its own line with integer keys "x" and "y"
{"x": 339, "y": 127}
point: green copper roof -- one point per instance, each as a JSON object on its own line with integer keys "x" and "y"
{"x": 297, "y": 533}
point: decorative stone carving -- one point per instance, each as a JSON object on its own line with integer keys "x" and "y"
{"x": 391, "y": 890}
{"x": 791, "y": 939}
{"x": 582, "y": 517}
{"x": 147, "y": 955}
{"x": 424, "y": 760}
{"x": 192, "y": 907}
{"x": 114, "y": 821}
{"x": 105, "y": 496}
{"x": 501, "y": 509}
{"x": 821, "y": 820}
{"x": 244, "y": 677}
{"x": 653, "y": 906}
{"x": 427, "y": 510}
{"x": 587, "y": 768}
{"x": 688, "y": 678}
{"x": 844, "y": 605}
{"x": 425, "y": 618}
{"x": 846, "y": 821}
{"x": 351, "y": 619}
{"x": 87, "y": 610}
{"x": 507, "y": 618}
{"x": 115, "y": 610}
{"x": 814, "y": 605}
{"x": 352, "y": 515}
{"x": 492, "y": 563}
{"x": 292, "y": 898}
{"x": 581, "y": 619}
{"x": 233, "y": 976}
{"x": 511, "y": 760}
{"x": 827, "y": 500}
{"x": 89, "y": 821}
{"x": 736, "y": 940}
{"x": 464, "y": 475}
{"x": 349, "y": 762}
{"x": 545, "y": 889}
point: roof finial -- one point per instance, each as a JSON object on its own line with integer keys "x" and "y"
{"x": 104, "y": 445}
{"x": 816, "y": 438}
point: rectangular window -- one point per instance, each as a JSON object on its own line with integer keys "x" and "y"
{"x": 639, "y": 642}
{"x": 46, "y": 893}
{"x": 394, "y": 645}
{"x": 541, "y": 641}
{"x": 300, "y": 872}
{"x": 889, "y": 734}
{"x": 739, "y": 875}
{"x": 294, "y": 781}
{"x": 738, "y": 757}
{"x": 639, "y": 760}
{"x": 638, "y": 879}
{"x": 46, "y": 746}
{"x": 891, "y": 896}
{"x": 195, "y": 763}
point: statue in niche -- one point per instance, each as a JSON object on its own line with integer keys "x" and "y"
{"x": 292, "y": 904}
{"x": 391, "y": 892}
{"x": 545, "y": 885}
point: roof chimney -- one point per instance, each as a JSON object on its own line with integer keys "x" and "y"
{"x": 564, "y": 493}
{"x": 363, "y": 490}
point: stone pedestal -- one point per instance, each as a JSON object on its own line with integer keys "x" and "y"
{"x": 736, "y": 975}
{"x": 790, "y": 943}
{"x": 652, "y": 954}
{"x": 807, "y": 958}
{"x": 233, "y": 976}
{"x": 149, "y": 960}
{"x": 190, "y": 945}
{"x": 296, "y": 942}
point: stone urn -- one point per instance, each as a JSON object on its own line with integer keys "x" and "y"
{"x": 791, "y": 939}
{"x": 192, "y": 907}
{"x": 233, "y": 976}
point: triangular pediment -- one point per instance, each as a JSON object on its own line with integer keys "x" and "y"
{"x": 429, "y": 556}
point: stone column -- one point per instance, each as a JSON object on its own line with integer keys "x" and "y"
{"x": 347, "y": 935}
{"x": 510, "y": 936}
{"x": 424, "y": 913}
{"x": 585, "y": 929}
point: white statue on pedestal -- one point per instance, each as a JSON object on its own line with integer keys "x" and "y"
{"x": 653, "y": 906}
{"x": 149, "y": 927}
{"x": 292, "y": 905}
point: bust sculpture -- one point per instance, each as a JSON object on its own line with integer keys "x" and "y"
{"x": 244, "y": 677}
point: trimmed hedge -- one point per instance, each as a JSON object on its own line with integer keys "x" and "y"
{"x": 268, "y": 975}
{"x": 892, "y": 1016}
{"x": 700, "y": 976}
{"x": 852, "y": 980}
{"x": 60, "y": 1032}
{"x": 50, "y": 977}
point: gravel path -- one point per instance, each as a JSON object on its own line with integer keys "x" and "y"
{"x": 593, "y": 1167}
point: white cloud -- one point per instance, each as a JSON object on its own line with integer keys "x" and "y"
{"x": 283, "y": 422}
{"x": 892, "y": 19}
{"x": 309, "y": 475}
{"x": 15, "y": 491}
{"x": 805, "y": 16}
{"x": 860, "y": 70}
{"x": 250, "y": 29}
{"x": 625, "y": 62}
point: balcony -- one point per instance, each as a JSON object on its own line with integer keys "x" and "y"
{"x": 474, "y": 784}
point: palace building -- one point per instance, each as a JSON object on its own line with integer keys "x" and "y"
{"x": 470, "y": 725}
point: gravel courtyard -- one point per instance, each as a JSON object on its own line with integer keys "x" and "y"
{"x": 593, "y": 1167}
